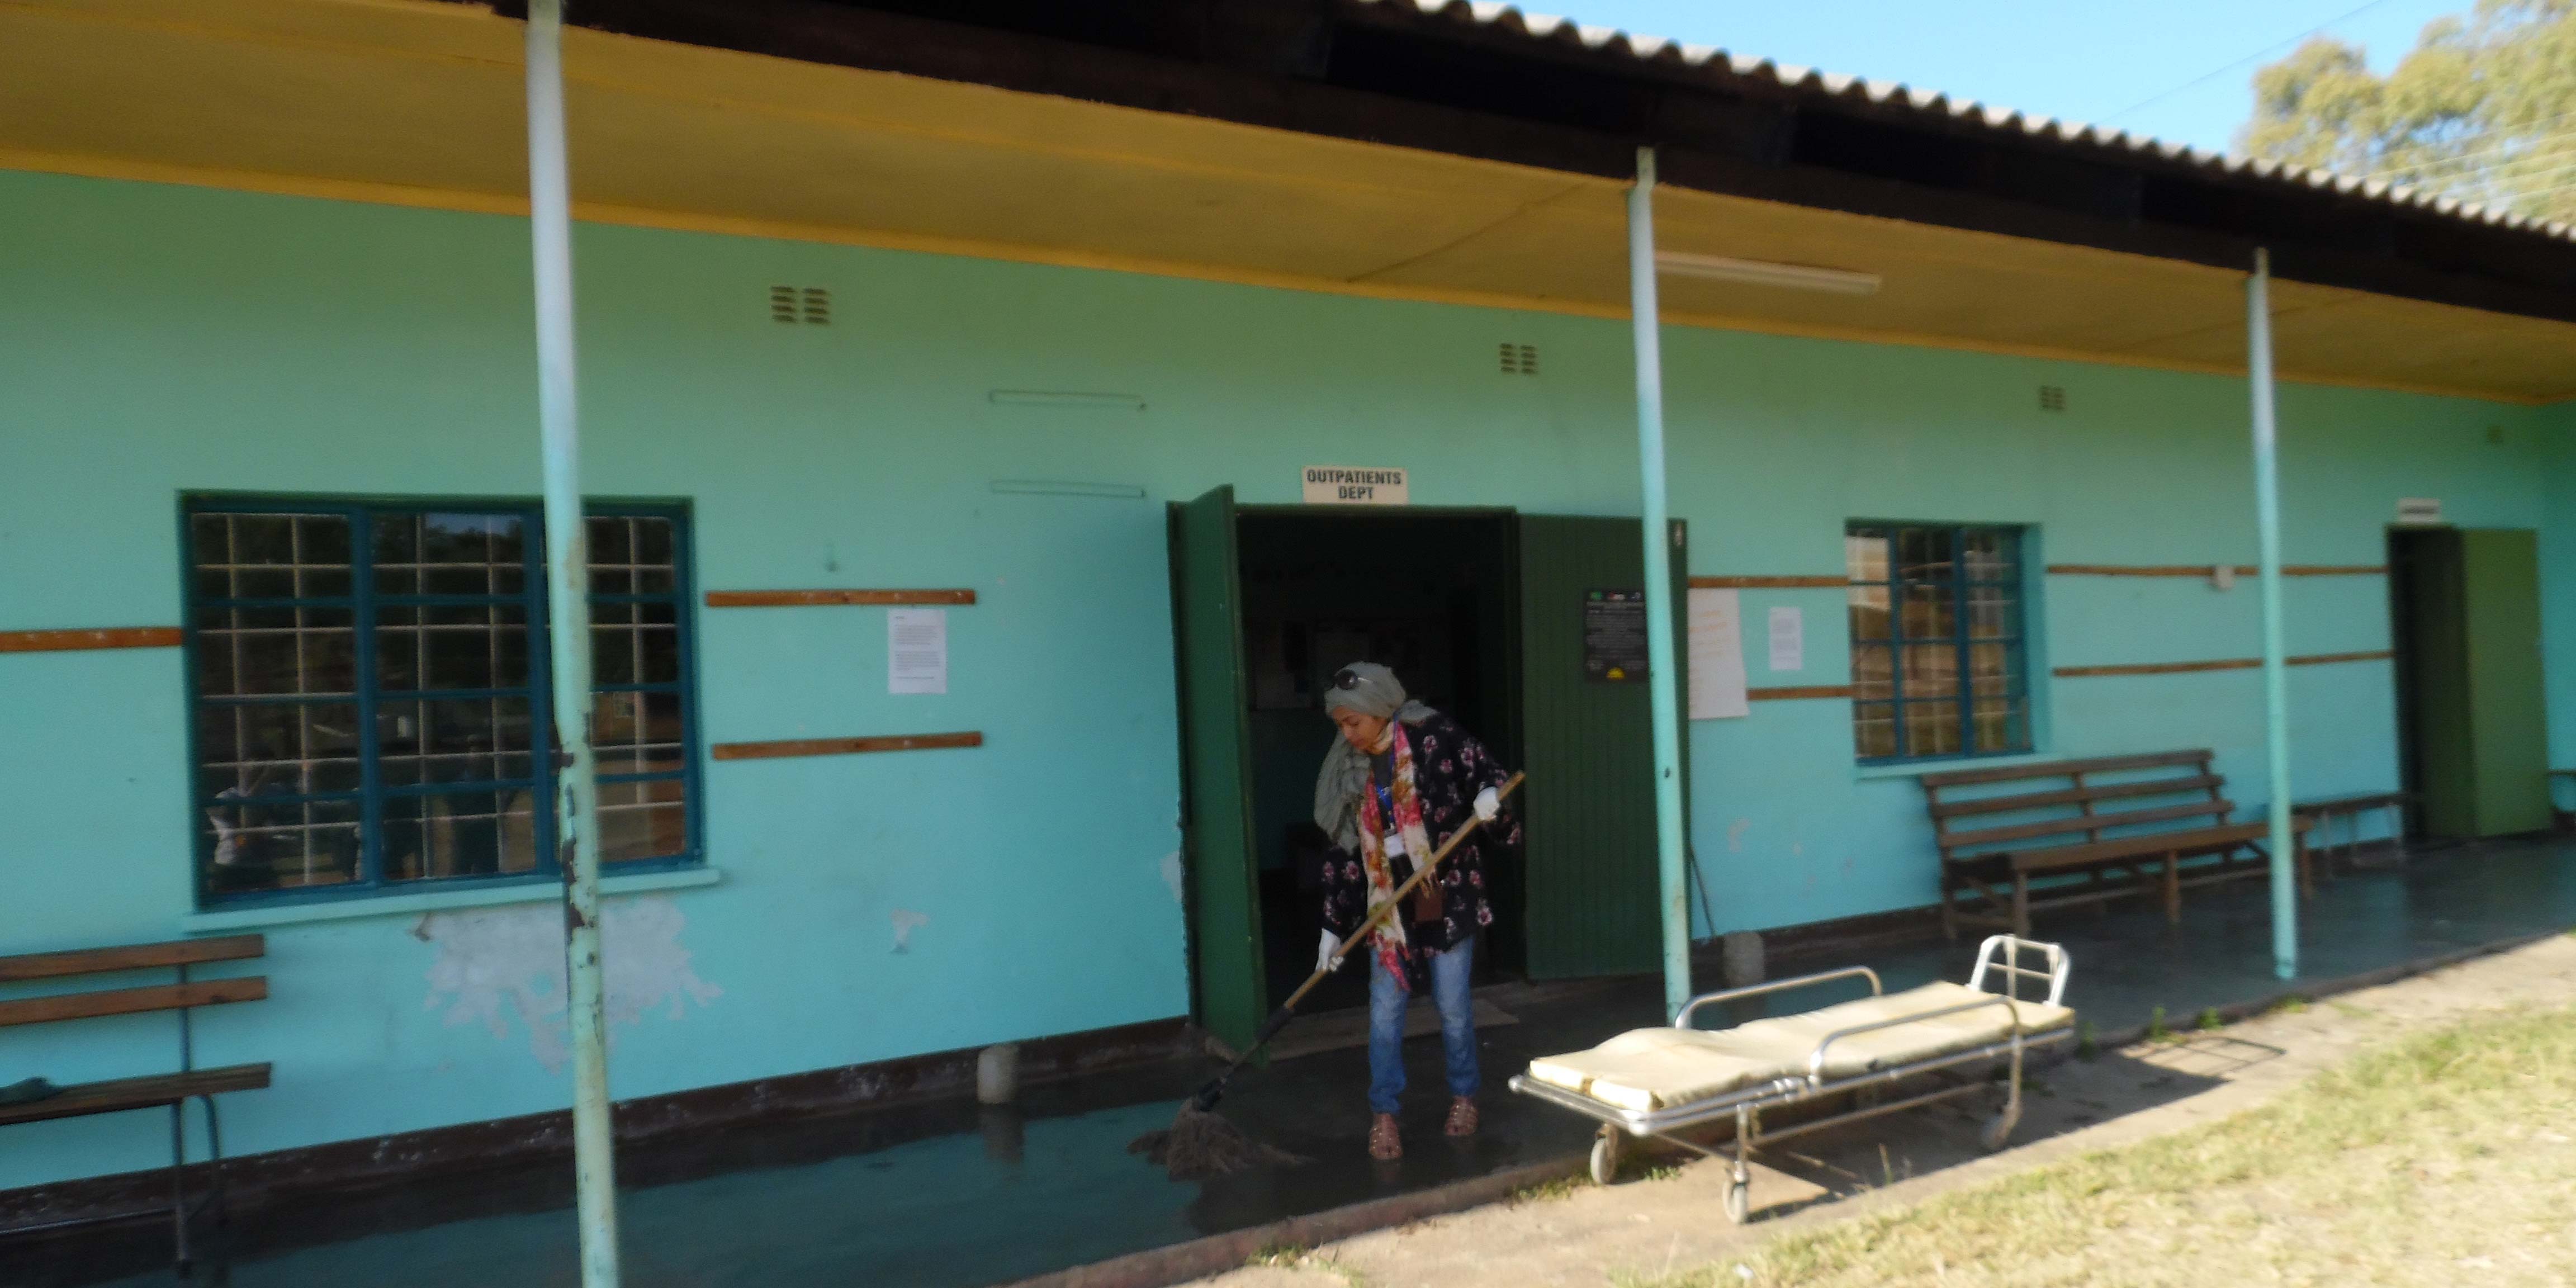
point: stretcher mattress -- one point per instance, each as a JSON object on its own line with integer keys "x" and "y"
{"x": 1667, "y": 1068}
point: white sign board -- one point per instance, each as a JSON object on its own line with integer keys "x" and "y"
{"x": 1717, "y": 655}
{"x": 1338, "y": 485}
{"x": 2419, "y": 509}
{"x": 1788, "y": 639}
{"x": 916, "y": 650}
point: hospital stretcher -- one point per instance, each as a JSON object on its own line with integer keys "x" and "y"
{"x": 1883, "y": 1053}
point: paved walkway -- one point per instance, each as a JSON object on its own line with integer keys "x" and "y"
{"x": 1672, "y": 1219}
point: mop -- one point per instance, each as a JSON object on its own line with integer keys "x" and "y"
{"x": 1200, "y": 1142}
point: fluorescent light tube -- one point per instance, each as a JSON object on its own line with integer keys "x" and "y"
{"x": 1796, "y": 277}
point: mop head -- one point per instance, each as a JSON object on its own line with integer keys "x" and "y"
{"x": 1202, "y": 1144}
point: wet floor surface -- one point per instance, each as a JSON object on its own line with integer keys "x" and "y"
{"x": 953, "y": 1196}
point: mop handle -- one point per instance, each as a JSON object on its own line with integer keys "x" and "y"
{"x": 1380, "y": 913}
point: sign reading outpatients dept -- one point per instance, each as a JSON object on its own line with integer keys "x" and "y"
{"x": 1334, "y": 485}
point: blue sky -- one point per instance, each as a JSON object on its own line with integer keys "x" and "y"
{"x": 2085, "y": 60}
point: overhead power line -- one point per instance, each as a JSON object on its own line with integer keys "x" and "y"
{"x": 2198, "y": 81}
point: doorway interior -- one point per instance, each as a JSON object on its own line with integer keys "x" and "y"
{"x": 1430, "y": 594}
{"x": 2472, "y": 737}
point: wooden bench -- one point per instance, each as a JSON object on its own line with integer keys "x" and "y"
{"x": 2004, "y": 827}
{"x": 2321, "y": 814}
{"x": 152, "y": 1091}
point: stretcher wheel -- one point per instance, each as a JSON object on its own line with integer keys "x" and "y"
{"x": 1739, "y": 1200}
{"x": 1605, "y": 1155}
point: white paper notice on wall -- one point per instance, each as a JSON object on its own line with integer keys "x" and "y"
{"x": 1788, "y": 639}
{"x": 1716, "y": 655}
{"x": 916, "y": 650}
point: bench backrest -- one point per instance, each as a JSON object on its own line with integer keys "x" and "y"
{"x": 178, "y": 996}
{"x": 2072, "y": 802}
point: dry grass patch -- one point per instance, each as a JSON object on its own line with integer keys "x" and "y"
{"x": 2448, "y": 1158}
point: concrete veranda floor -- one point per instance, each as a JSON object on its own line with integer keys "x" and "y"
{"x": 948, "y": 1196}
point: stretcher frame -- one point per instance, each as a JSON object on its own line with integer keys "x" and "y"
{"x": 2001, "y": 953}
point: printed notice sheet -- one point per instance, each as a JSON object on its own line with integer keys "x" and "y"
{"x": 1716, "y": 655}
{"x": 1788, "y": 639}
{"x": 916, "y": 650}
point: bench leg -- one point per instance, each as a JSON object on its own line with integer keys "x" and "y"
{"x": 215, "y": 1161}
{"x": 1949, "y": 909}
{"x": 2301, "y": 857}
{"x": 179, "y": 1181}
{"x": 2021, "y": 905}
{"x": 2173, "y": 890}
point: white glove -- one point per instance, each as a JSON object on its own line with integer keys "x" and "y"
{"x": 1326, "y": 960}
{"x": 1489, "y": 803}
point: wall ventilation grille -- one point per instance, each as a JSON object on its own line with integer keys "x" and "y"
{"x": 1520, "y": 359}
{"x": 2052, "y": 398}
{"x": 811, "y": 305}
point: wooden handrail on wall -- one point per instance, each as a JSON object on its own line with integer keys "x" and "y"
{"x": 76, "y": 640}
{"x": 858, "y": 598}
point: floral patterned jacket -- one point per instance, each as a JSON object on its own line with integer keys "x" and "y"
{"x": 1449, "y": 768}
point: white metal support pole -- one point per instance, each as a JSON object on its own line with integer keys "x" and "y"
{"x": 2276, "y": 688}
{"x": 568, "y": 647}
{"x": 1661, "y": 665}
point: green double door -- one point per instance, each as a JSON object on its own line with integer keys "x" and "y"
{"x": 1590, "y": 894}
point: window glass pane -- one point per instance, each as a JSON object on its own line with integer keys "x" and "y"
{"x": 1989, "y": 554}
{"x": 1923, "y": 554}
{"x": 277, "y": 748}
{"x": 459, "y": 834}
{"x": 645, "y": 820}
{"x": 1865, "y": 554}
{"x": 281, "y": 652}
{"x": 451, "y": 646}
{"x": 1873, "y": 672}
{"x": 637, "y": 733}
{"x": 450, "y": 554}
{"x": 279, "y": 845}
{"x": 1874, "y": 729}
{"x": 1931, "y": 728}
{"x": 1931, "y": 613}
{"x": 1990, "y": 612}
{"x": 456, "y": 740}
{"x": 1931, "y": 671}
{"x": 1868, "y": 612}
{"x": 632, "y": 555}
{"x": 1994, "y": 669}
{"x": 2002, "y": 724}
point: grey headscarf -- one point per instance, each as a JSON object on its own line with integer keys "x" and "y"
{"x": 1369, "y": 689}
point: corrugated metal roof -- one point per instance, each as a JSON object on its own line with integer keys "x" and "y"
{"x": 1722, "y": 65}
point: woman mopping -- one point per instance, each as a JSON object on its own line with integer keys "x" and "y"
{"x": 1402, "y": 779}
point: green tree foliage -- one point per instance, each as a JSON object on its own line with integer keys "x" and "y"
{"x": 2483, "y": 109}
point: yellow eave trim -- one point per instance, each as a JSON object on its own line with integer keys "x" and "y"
{"x": 420, "y": 198}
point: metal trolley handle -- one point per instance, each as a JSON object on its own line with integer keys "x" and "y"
{"x": 1683, "y": 1020}
{"x": 1816, "y": 1060}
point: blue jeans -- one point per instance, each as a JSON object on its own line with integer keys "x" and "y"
{"x": 1451, "y": 974}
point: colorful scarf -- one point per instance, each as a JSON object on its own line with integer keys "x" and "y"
{"x": 1388, "y": 939}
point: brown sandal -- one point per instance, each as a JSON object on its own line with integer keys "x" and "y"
{"x": 1462, "y": 1116}
{"x": 1386, "y": 1140}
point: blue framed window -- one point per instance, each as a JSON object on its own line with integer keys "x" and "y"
{"x": 370, "y": 700}
{"x": 1938, "y": 663}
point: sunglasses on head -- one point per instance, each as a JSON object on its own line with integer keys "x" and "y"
{"x": 1346, "y": 678}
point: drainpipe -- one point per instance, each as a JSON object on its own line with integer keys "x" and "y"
{"x": 2276, "y": 688}
{"x": 1661, "y": 666}
{"x": 568, "y": 637}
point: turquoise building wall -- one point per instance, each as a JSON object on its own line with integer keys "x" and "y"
{"x": 161, "y": 340}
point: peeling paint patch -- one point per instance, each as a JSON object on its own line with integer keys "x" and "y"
{"x": 905, "y": 922}
{"x": 497, "y": 965}
{"x": 1735, "y": 835}
{"x": 1172, "y": 877}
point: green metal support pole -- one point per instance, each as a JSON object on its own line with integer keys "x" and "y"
{"x": 1661, "y": 666}
{"x": 568, "y": 643}
{"x": 2276, "y": 685}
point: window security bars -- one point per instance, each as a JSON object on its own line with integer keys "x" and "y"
{"x": 371, "y": 703}
{"x": 1938, "y": 664}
